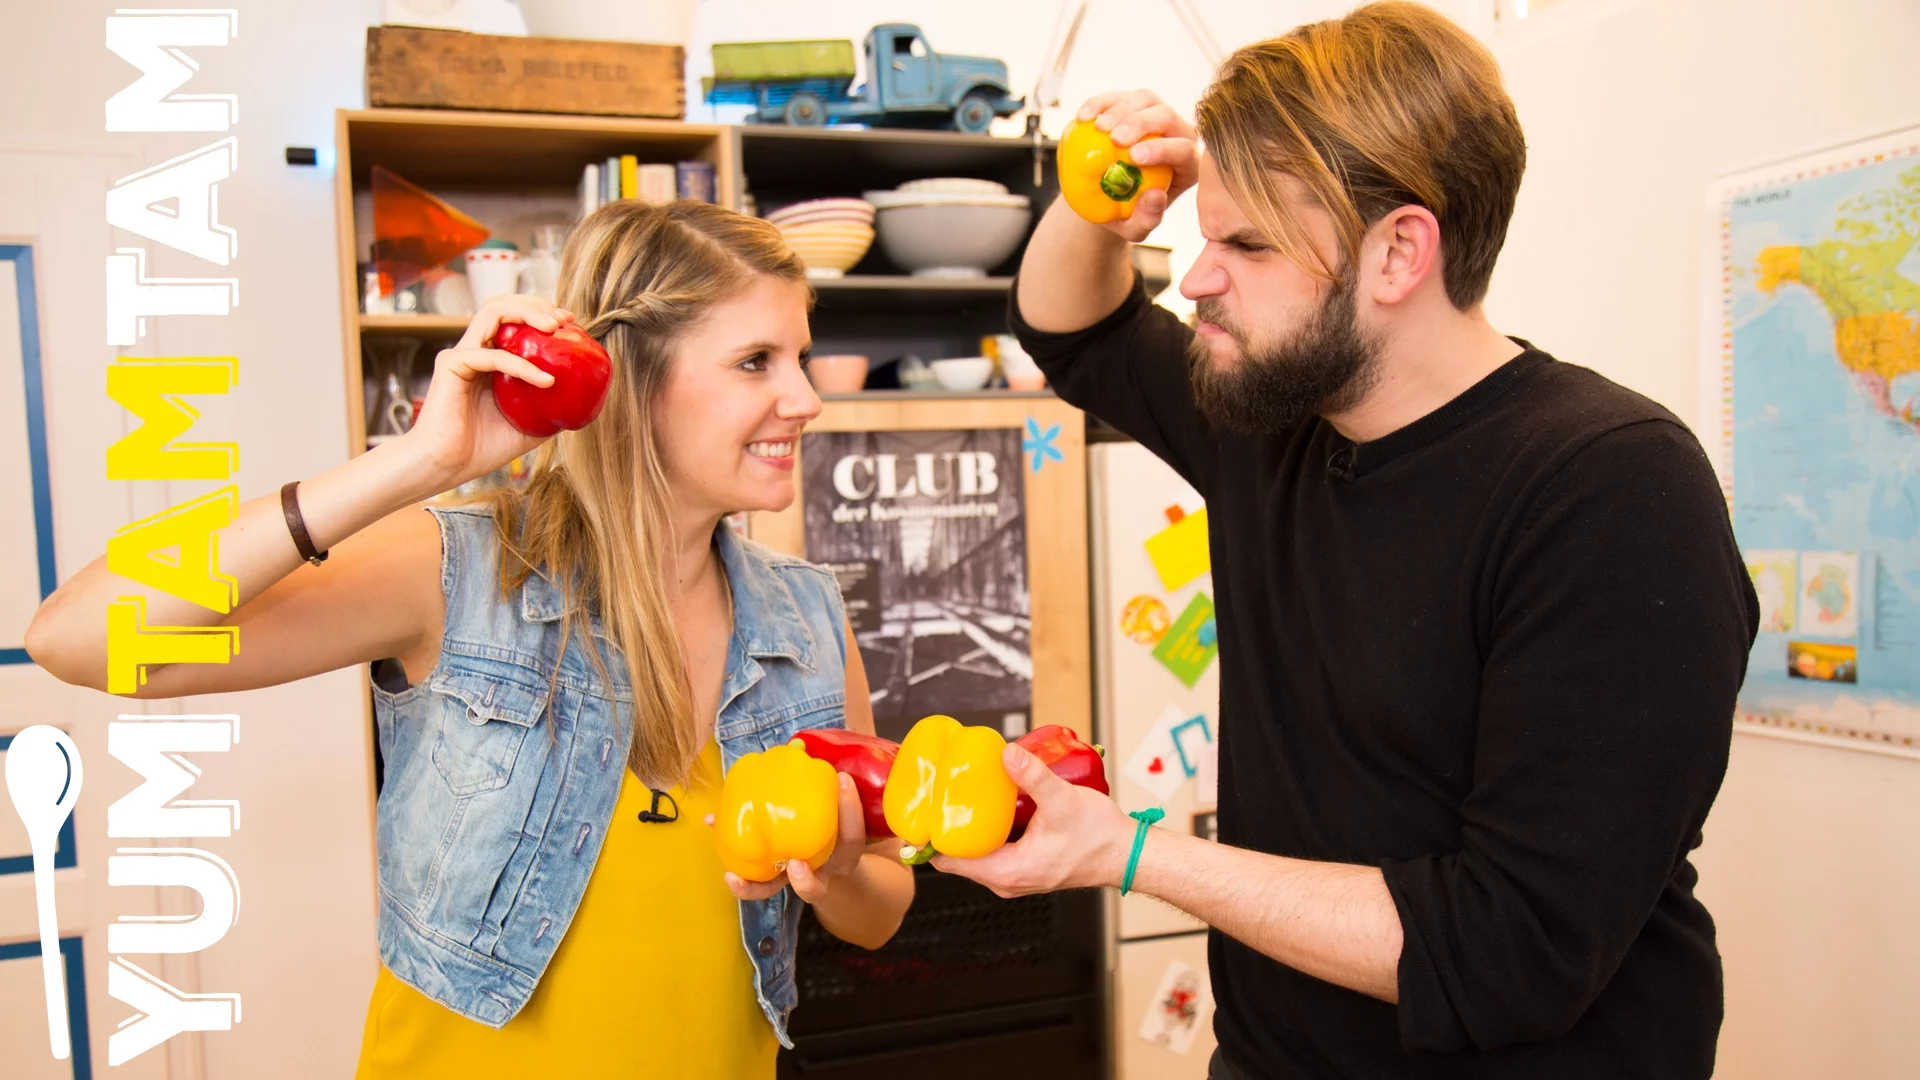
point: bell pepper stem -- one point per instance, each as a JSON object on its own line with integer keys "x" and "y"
{"x": 913, "y": 856}
{"x": 1121, "y": 180}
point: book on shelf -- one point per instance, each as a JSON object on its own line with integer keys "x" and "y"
{"x": 629, "y": 176}
{"x": 656, "y": 184}
{"x": 590, "y": 189}
{"x": 624, "y": 177}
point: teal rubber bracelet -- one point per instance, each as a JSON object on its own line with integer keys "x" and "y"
{"x": 1145, "y": 818}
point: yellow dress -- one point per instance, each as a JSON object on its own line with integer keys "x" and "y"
{"x": 651, "y": 979}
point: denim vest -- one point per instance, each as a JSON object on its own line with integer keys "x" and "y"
{"x": 501, "y": 777}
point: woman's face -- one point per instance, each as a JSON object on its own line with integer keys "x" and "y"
{"x": 735, "y": 399}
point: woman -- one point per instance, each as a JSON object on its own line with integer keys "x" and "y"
{"x": 543, "y": 910}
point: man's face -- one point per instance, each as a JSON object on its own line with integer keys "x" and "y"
{"x": 1274, "y": 344}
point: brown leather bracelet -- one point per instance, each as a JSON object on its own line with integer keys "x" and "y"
{"x": 290, "y": 506}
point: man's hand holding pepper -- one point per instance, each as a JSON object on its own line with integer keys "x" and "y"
{"x": 1077, "y": 838}
{"x": 1153, "y": 134}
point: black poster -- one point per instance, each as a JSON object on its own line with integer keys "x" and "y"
{"x": 926, "y": 532}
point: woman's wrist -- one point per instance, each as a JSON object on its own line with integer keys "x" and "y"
{"x": 345, "y": 499}
{"x": 409, "y": 471}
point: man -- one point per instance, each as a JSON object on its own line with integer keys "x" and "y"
{"x": 1481, "y": 616}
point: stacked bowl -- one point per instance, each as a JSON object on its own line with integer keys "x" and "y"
{"x": 950, "y": 227}
{"x": 829, "y": 235}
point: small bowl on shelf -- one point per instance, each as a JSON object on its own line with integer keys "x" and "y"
{"x": 1021, "y": 372}
{"x": 838, "y": 373}
{"x": 963, "y": 374}
{"x": 859, "y": 211}
{"x": 829, "y": 248}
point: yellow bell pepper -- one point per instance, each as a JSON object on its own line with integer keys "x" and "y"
{"x": 1099, "y": 180}
{"x": 776, "y": 806}
{"x": 948, "y": 791}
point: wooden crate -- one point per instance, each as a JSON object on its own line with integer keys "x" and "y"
{"x": 449, "y": 69}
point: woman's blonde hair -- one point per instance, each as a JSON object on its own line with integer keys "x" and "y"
{"x": 596, "y": 517}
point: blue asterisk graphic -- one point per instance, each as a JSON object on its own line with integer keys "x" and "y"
{"x": 1041, "y": 445}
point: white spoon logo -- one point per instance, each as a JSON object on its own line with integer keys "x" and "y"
{"x": 43, "y": 779}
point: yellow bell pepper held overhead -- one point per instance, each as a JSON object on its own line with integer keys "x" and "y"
{"x": 1099, "y": 180}
{"x": 949, "y": 792}
{"x": 776, "y": 806}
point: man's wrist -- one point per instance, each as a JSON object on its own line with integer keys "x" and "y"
{"x": 1120, "y": 850}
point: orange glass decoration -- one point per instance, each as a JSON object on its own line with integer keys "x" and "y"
{"x": 415, "y": 231}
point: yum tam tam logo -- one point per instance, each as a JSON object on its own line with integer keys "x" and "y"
{"x": 174, "y": 205}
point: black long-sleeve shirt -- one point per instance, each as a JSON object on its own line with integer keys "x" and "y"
{"x": 1493, "y": 653}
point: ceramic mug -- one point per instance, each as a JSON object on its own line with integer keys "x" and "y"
{"x": 492, "y": 271}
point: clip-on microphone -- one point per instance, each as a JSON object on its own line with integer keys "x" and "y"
{"x": 652, "y": 814}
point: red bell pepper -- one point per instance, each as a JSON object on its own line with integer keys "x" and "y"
{"x": 581, "y": 371}
{"x": 866, "y": 758}
{"x": 1070, "y": 758}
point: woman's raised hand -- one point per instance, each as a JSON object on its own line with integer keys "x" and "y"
{"x": 461, "y": 433}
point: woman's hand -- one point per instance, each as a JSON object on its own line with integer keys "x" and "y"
{"x": 810, "y": 885}
{"x": 461, "y": 432}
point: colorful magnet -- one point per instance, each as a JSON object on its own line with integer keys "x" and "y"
{"x": 1181, "y": 651}
{"x": 1179, "y": 552}
{"x": 1145, "y": 619}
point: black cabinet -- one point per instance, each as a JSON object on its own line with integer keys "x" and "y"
{"x": 972, "y": 985}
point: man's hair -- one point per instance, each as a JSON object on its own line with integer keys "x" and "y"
{"x": 1390, "y": 106}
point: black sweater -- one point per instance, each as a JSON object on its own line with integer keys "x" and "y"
{"x": 1493, "y": 653}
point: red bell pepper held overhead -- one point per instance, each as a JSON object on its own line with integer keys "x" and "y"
{"x": 1070, "y": 758}
{"x": 866, "y": 758}
{"x": 581, "y": 371}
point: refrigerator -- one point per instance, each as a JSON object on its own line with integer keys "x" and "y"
{"x": 1156, "y": 711}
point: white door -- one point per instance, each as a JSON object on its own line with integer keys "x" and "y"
{"x": 55, "y": 503}
{"x": 1132, "y": 492}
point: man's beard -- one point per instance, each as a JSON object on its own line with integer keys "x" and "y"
{"x": 1326, "y": 366}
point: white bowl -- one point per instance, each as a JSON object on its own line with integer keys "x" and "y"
{"x": 884, "y": 200}
{"x": 964, "y": 373}
{"x": 954, "y": 185}
{"x": 952, "y": 240}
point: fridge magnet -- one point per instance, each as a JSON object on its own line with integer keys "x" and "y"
{"x": 1145, "y": 620}
{"x": 1180, "y": 1006}
{"x": 1041, "y": 445}
{"x": 1179, "y": 552}
{"x": 1155, "y": 762}
{"x": 1824, "y": 663}
{"x": 1190, "y": 644}
{"x": 1829, "y": 593}
{"x": 1190, "y": 736}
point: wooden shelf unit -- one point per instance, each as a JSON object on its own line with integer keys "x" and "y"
{"x": 875, "y": 310}
{"x": 515, "y": 153}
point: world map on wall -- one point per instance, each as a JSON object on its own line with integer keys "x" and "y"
{"x": 1820, "y": 387}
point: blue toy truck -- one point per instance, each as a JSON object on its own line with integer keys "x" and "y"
{"x": 809, "y": 83}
